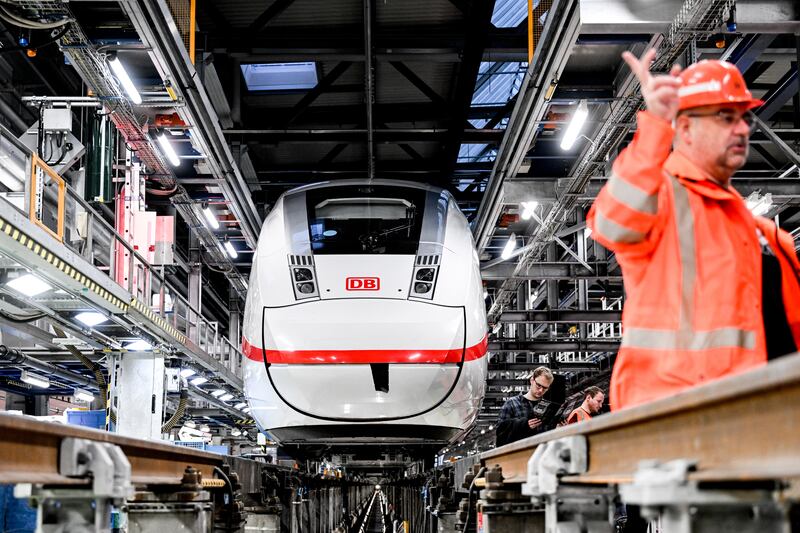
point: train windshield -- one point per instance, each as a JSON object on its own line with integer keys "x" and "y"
{"x": 365, "y": 219}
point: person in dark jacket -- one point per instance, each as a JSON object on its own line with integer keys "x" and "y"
{"x": 516, "y": 420}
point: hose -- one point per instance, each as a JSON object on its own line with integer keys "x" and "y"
{"x": 224, "y": 476}
{"x": 38, "y": 46}
{"x": 96, "y": 369}
{"x": 21, "y": 22}
{"x": 469, "y": 498}
{"x": 20, "y": 319}
{"x": 178, "y": 414}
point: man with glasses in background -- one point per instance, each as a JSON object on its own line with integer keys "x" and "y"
{"x": 711, "y": 289}
{"x": 516, "y": 420}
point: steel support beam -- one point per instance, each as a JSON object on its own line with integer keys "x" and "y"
{"x": 549, "y": 271}
{"x": 571, "y": 345}
{"x": 560, "y": 315}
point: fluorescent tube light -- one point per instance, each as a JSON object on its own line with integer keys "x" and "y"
{"x": 528, "y": 209}
{"x": 226, "y": 397}
{"x": 125, "y": 80}
{"x": 575, "y": 126}
{"x": 168, "y": 150}
{"x": 217, "y": 393}
{"x": 83, "y": 396}
{"x": 29, "y": 285}
{"x": 510, "y": 246}
{"x": 187, "y": 372}
{"x": 35, "y": 379}
{"x": 246, "y": 410}
{"x": 199, "y": 381}
{"x": 759, "y": 205}
{"x": 91, "y": 318}
{"x": 230, "y": 249}
{"x": 8, "y": 179}
{"x": 240, "y": 405}
{"x": 139, "y": 346}
{"x": 211, "y": 218}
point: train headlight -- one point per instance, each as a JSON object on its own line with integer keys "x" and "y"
{"x": 422, "y": 288}
{"x": 425, "y": 274}
{"x": 303, "y": 274}
{"x": 305, "y": 288}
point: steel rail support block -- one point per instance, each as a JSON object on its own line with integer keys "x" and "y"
{"x": 79, "y": 508}
{"x": 567, "y": 508}
{"x": 664, "y": 491}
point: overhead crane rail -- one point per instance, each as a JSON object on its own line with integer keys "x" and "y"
{"x": 728, "y": 446}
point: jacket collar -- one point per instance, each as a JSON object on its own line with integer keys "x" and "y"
{"x": 692, "y": 177}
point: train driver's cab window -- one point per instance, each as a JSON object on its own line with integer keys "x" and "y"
{"x": 365, "y": 219}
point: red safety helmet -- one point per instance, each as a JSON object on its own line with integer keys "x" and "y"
{"x": 712, "y": 82}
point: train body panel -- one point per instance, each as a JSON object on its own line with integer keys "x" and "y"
{"x": 365, "y": 317}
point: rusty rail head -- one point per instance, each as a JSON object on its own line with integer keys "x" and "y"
{"x": 29, "y": 452}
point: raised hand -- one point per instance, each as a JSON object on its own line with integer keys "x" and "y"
{"x": 660, "y": 92}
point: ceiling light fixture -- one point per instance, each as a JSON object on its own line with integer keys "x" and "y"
{"x": 217, "y": 393}
{"x": 91, "y": 318}
{"x": 29, "y": 285}
{"x": 124, "y": 79}
{"x": 211, "y": 218}
{"x": 230, "y": 249}
{"x": 83, "y": 396}
{"x": 199, "y": 381}
{"x": 509, "y": 247}
{"x": 240, "y": 405}
{"x": 168, "y": 150}
{"x": 34, "y": 379}
{"x": 226, "y": 397}
{"x": 188, "y": 372}
{"x": 575, "y": 126}
{"x": 139, "y": 346}
{"x": 528, "y": 209}
{"x": 759, "y": 205}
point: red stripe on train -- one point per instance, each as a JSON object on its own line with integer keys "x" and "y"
{"x": 312, "y": 357}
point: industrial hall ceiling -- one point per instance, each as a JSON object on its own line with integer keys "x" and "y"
{"x": 443, "y": 92}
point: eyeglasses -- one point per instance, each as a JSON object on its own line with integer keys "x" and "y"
{"x": 727, "y": 117}
{"x": 543, "y": 387}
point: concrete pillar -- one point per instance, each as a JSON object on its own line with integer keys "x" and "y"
{"x": 234, "y": 331}
{"x": 195, "y": 287}
{"x": 552, "y": 285}
{"x": 583, "y": 285}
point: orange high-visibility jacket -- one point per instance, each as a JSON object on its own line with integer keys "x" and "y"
{"x": 578, "y": 415}
{"x": 691, "y": 265}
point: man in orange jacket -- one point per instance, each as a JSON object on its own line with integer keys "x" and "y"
{"x": 593, "y": 399}
{"x": 711, "y": 289}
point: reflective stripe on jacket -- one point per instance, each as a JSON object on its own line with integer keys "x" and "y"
{"x": 691, "y": 264}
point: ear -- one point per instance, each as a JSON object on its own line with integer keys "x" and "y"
{"x": 683, "y": 129}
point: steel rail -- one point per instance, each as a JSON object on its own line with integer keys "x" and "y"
{"x": 740, "y": 428}
{"x": 29, "y": 453}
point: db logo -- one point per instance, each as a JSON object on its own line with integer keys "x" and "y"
{"x": 363, "y": 284}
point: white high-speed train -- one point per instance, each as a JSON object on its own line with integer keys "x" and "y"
{"x": 365, "y": 318}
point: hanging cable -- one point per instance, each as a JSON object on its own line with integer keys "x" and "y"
{"x": 21, "y": 22}
{"x": 38, "y": 45}
{"x": 178, "y": 414}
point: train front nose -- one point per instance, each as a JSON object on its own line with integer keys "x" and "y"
{"x": 364, "y": 359}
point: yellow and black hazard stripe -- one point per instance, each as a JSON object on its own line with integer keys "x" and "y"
{"x": 48, "y": 256}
